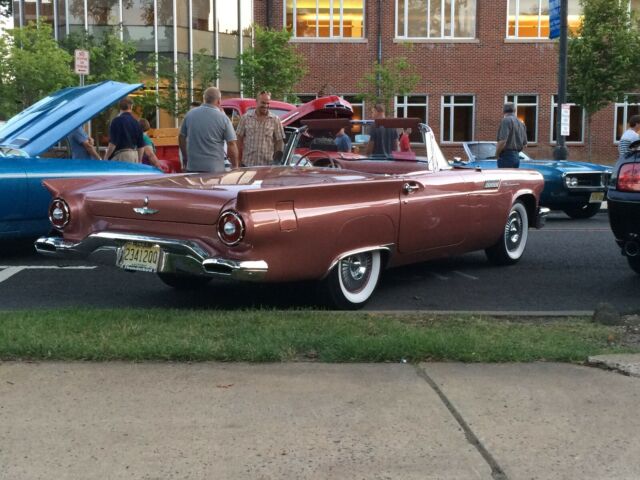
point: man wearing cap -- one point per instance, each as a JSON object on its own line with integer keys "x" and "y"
{"x": 512, "y": 138}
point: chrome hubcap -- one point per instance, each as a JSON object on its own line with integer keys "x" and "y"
{"x": 513, "y": 231}
{"x": 355, "y": 271}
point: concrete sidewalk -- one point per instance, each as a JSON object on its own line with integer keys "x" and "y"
{"x": 317, "y": 421}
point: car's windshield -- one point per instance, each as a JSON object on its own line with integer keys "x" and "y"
{"x": 276, "y": 111}
{"x": 11, "y": 152}
{"x": 482, "y": 151}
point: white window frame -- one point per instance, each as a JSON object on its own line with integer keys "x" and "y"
{"x": 405, "y": 105}
{"x": 405, "y": 35}
{"x": 451, "y": 117}
{"x": 625, "y": 114}
{"x": 584, "y": 115}
{"x": 331, "y": 19}
{"x": 524, "y": 104}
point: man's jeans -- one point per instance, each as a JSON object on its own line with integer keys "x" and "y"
{"x": 509, "y": 159}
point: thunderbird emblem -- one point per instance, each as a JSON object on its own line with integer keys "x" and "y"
{"x": 145, "y": 210}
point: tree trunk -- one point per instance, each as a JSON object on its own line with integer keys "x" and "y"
{"x": 588, "y": 133}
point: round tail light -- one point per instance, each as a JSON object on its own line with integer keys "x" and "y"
{"x": 59, "y": 214}
{"x": 230, "y": 228}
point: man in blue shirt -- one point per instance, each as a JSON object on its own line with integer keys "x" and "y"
{"x": 343, "y": 141}
{"x": 82, "y": 145}
{"x": 125, "y": 136}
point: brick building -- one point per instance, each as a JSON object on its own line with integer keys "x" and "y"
{"x": 471, "y": 59}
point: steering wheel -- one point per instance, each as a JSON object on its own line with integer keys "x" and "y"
{"x": 332, "y": 163}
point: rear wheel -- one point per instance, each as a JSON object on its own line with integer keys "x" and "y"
{"x": 634, "y": 263}
{"x": 585, "y": 211}
{"x": 511, "y": 244}
{"x": 183, "y": 282}
{"x": 352, "y": 281}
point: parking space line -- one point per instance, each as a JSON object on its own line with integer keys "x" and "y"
{"x": 439, "y": 277}
{"x": 465, "y": 275}
{"x": 8, "y": 271}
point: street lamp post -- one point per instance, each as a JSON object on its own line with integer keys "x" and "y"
{"x": 560, "y": 151}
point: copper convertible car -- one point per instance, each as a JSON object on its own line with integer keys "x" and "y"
{"x": 340, "y": 224}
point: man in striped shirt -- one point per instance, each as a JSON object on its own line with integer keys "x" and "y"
{"x": 630, "y": 136}
{"x": 260, "y": 134}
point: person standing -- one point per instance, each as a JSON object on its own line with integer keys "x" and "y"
{"x": 343, "y": 141}
{"x": 405, "y": 141}
{"x": 82, "y": 145}
{"x": 512, "y": 138}
{"x": 203, "y": 133}
{"x": 382, "y": 141}
{"x": 260, "y": 134}
{"x": 125, "y": 136}
{"x": 149, "y": 157}
{"x": 629, "y": 136}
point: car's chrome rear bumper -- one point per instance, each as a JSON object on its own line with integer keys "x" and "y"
{"x": 177, "y": 256}
{"x": 541, "y": 218}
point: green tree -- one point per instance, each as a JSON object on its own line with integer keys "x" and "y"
{"x": 110, "y": 58}
{"x": 603, "y": 57}
{"x": 395, "y": 76}
{"x": 33, "y": 66}
{"x": 271, "y": 64}
{"x": 177, "y": 92}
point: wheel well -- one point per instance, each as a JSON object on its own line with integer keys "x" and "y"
{"x": 529, "y": 202}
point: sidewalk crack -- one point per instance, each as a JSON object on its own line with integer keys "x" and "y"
{"x": 497, "y": 473}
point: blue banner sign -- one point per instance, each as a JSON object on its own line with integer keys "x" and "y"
{"x": 554, "y": 18}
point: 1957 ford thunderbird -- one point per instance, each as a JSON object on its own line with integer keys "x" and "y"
{"x": 340, "y": 224}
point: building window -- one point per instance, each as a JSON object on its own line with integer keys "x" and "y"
{"x": 325, "y": 18}
{"x": 530, "y": 18}
{"x": 436, "y": 18}
{"x": 527, "y": 113}
{"x": 576, "y": 122}
{"x": 413, "y": 106}
{"x": 457, "y": 118}
{"x": 624, "y": 111}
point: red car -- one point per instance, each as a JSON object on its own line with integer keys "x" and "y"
{"x": 340, "y": 225}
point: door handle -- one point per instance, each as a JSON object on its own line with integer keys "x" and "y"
{"x": 407, "y": 188}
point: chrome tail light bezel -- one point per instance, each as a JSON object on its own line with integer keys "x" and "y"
{"x": 59, "y": 207}
{"x": 231, "y": 216}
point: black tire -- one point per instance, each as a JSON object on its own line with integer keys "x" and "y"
{"x": 183, "y": 282}
{"x": 513, "y": 241}
{"x": 352, "y": 281}
{"x": 634, "y": 263}
{"x": 585, "y": 211}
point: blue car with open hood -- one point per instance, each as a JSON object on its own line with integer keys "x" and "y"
{"x": 576, "y": 188}
{"x": 27, "y": 139}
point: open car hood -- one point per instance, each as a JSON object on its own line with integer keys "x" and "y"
{"x": 331, "y": 106}
{"x": 40, "y": 126}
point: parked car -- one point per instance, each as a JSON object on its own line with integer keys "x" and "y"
{"x": 340, "y": 225}
{"x": 27, "y": 139}
{"x": 236, "y": 107}
{"x": 576, "y": 188}
{"x": 623, "y": 201}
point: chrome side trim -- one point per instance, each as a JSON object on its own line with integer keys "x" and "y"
{"x": 387, "y": 248}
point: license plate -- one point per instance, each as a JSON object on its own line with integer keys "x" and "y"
{"x": 596, "y": 197}
{"x": 141, "y": 257}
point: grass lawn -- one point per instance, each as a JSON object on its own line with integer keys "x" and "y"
{"x": 273, "y": 336}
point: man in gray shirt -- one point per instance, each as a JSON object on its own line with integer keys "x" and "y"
{"x": 512, "y": 138}
{"x": 204, "y": 131}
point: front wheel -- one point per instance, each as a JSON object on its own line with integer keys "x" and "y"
{"x": 352, "y": 281}
{"x": 183, "y": 282}
{"x": 511, "y": 244}
{"x": 634, "y": 263}
{"x": 585, "y": 211}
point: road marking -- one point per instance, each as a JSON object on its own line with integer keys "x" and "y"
{"x": 465, "y": 275}
{"x": 7, "y": 271}
{"x": 439, "y": 277}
